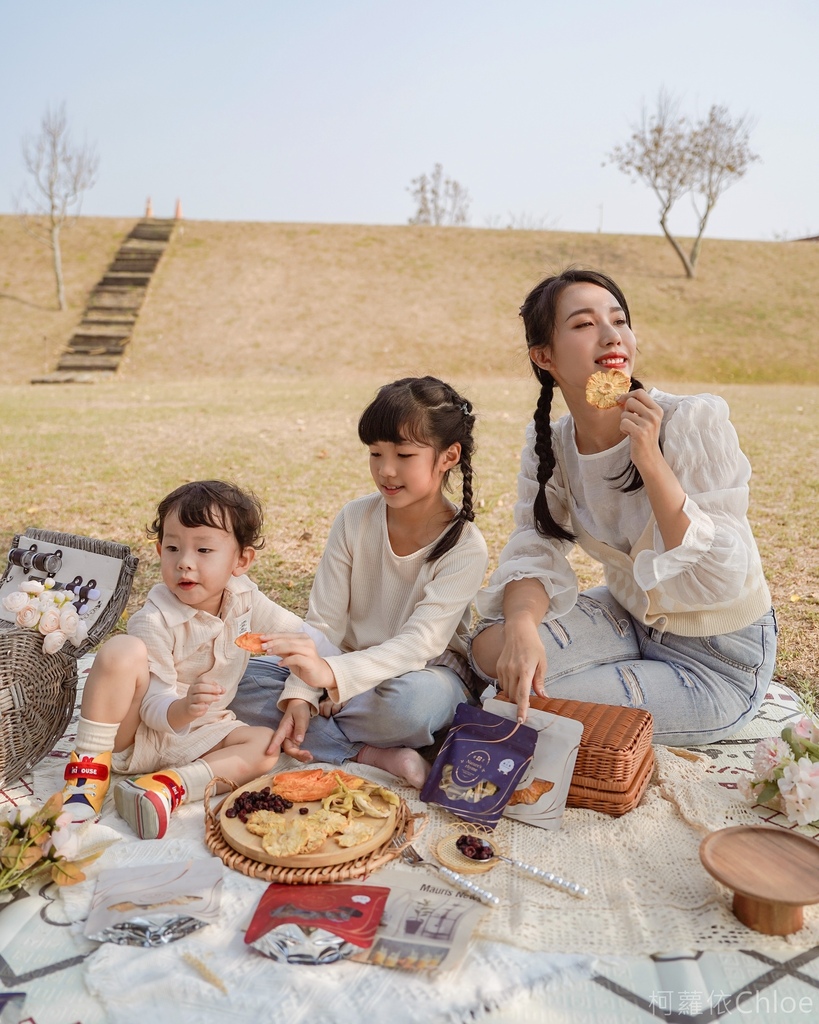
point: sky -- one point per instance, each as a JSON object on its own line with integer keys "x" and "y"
{"x": 325, "y": 110}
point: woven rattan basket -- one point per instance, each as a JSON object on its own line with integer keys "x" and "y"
{"x": 37, "y": 690}
{"x": 615, "y": 759}
{"x": 407, "y": 827}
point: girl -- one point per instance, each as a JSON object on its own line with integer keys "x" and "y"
{"x": 656, "y": 489}
{"x": 155, "y": 701}
{"x": 393, "y": 589}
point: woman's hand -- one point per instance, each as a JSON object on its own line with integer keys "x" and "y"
{"x": 640, "y": 419}
{"x": 292, "y": 729}
{"x": 298, "y": 653}
{"x": 521, "y": 664}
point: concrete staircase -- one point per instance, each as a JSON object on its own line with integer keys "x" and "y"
{"x": 99, "y": 342}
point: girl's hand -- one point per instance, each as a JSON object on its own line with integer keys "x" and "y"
{"x": 292, "y": 729}
{"x": 298, "y": 653}
{"x": 522, "y": 665}
{"x": 641, "y": 418}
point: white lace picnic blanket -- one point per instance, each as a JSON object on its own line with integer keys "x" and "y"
{"x": 648, "y": 890}
{"x": 134, "y": 985}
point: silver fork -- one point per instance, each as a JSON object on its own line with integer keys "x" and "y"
{"x": 412, "y": 857}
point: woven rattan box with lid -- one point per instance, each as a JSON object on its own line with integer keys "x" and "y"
{"x": 37, "y": 690}
{"x": 615, "y": 759}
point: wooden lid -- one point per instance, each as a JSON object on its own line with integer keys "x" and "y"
{"x": 764, "y": 863}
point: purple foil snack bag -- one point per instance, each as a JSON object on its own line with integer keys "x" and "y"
{"x": 479, "y": 766}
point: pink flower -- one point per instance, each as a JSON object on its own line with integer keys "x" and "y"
{"x": 799, "y": 787}
{"x": 49, "y": 621}
{"x": 54, "y": 641}
{"x": 80, "y": 634}
{"x": 805, "y": 729}
{"x": 69, "y": 620}
{"x": 769, "y": 755}
{"x": 28, "y": 617}
{"x": 15, "y": 601}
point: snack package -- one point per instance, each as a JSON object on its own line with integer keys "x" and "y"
{"x": 316, "y": 924}
{"x": 154, "y": 904}
{"x": 540, "y": 797}
{"x": 479, "y": 766}
{"x": 426, "y": 926}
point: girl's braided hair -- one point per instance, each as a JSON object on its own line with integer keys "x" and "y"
{"x": 539, "y": 312}
{"x": 426, "y": 411}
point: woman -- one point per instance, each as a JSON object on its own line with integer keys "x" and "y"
{"x": 655, "y": 488}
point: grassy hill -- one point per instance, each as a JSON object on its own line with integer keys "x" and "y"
{"x": 259, "y": 344}
{"x": 382, "y": 301}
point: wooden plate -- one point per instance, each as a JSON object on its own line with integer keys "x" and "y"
{"x": 244, "y": 842}
{"x": 773, "y": 873}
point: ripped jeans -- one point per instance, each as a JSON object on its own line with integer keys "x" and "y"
{"x": 699, "y": 689}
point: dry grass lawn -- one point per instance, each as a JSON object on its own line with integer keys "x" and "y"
{"x": 260, "y": 343}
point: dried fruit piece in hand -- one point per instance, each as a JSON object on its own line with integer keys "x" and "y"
{"x": 250, "y": 642}
{"x": 605, "y": 387}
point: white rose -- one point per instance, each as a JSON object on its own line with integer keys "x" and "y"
{"x": 45, "y": 601}
{"x": 80, "y": 635}
{"x": 28, "y": 617}
{"x": 69, "y": 620}
{"x": 54, "y": 641}
{"x": 49, "y": 621}
{"x": 16, "y": 601}
{"x": 48, "y": 583}
{"x": 32, "y": 587}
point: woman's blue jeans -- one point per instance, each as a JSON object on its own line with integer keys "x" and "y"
{"x": 698, "y": 689}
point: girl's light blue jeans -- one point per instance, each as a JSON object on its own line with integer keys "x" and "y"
{"x": 698, "y": 689}
{"x": 402, "y": 712}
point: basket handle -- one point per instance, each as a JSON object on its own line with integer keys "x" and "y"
{"x": 210, "y": 790}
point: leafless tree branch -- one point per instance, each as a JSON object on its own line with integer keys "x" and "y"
{"x": 59, "y": 173}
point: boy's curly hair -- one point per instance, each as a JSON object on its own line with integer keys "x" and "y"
{"x": 216, "y": 504}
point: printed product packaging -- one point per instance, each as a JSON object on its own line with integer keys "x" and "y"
{"x": 478, "y": 768}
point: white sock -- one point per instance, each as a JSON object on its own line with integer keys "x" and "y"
{"x": 195, "y": 777}
{"x": 95, "y": 737}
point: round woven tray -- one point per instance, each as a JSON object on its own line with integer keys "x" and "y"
{"x": 407, "y": 827}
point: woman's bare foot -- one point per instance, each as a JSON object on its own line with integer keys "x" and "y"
{"x": 404, "y": 762}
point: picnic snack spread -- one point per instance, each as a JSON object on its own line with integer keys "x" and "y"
{"x": 308, "y": 818}
{"x": 605, "y": 387}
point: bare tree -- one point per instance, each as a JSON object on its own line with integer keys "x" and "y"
{"x": 676, "y": 157}
{"x": 439, "y": 200}
{"x": 60, "y": 173}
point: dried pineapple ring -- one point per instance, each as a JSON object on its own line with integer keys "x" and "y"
{"x": 604, "y": 388}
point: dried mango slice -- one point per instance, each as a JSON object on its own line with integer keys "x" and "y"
{"x": 312, "y": 784}
{"x": 605, "y": 387}
{"x": 532, "y": 793}
{"x": 250, "y": 642}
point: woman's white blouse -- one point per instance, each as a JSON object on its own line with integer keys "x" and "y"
{"x": 711, "y": 564}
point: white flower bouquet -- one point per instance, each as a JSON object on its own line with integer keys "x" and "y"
{"x": 51, "y": 611}
{"x": 787, "y": 773}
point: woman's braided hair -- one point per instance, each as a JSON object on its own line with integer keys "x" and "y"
{"x": 539, "y": 312}
{"x": 426, "y": 411}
